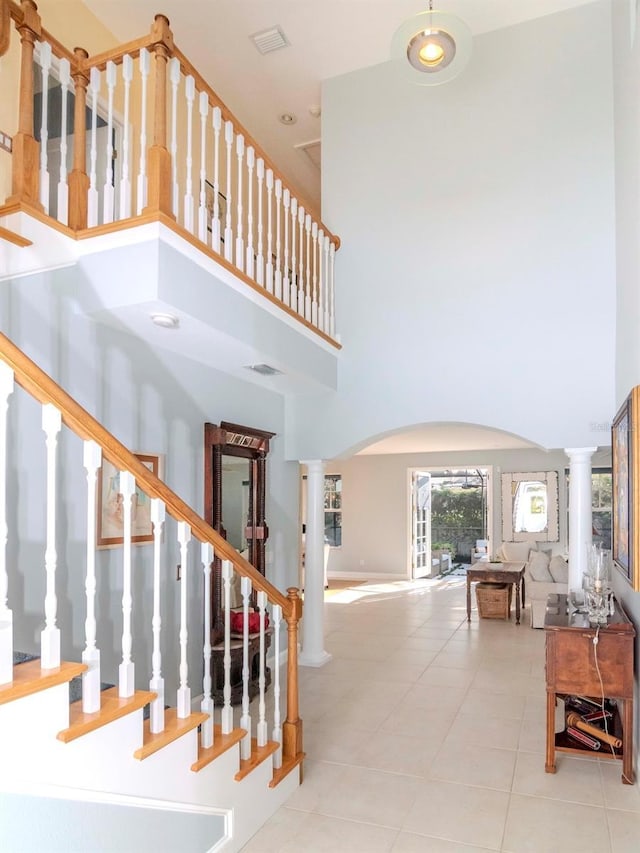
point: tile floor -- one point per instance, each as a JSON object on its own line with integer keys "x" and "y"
{"x": 426, "y": 733}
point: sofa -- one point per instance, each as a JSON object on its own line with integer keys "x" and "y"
{"x": 544, "y": 574}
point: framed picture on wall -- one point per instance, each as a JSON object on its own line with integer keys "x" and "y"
{"x": 110, "y": 522}
{"x": 209, "y": 190}
{"x": 625, "y": 449}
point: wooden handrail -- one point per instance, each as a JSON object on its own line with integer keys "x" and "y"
{"x": 41, "y": 386}
{"x": 12, "y": 237}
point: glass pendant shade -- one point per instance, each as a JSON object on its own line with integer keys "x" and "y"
{"x": 431, "y": 48}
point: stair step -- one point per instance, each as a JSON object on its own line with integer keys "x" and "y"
{"x": 258, "y": 755}
{"x": 112, "y": 707}
{"x": 30, "y": 678}
{"x": 288, "y": 764}
{"x": 174, "y": 727}
{"x": 221, "y": 743}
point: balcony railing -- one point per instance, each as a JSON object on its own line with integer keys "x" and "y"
{"x": 136, "y": 133}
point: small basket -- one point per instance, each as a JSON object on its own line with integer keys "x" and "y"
{"x": 494, "y": 600}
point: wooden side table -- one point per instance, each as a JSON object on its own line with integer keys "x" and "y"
{"x": 578, "y": 656}
{"x": 497, "y": 573}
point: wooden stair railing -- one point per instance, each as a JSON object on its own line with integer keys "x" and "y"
{"x": 44, "y": 389}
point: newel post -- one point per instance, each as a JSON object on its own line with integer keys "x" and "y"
{"x": 292, "y": 728}
{"x": 159, "y": 159}
{"x": 26, "y": 153}
{"x": 78, "y": 179}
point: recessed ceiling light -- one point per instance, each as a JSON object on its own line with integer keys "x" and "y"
{"x": 165, "y": 320}
{"x": 264, "y": 369}
{"x": 287, "y": 118}
{"x": 315, "y": 110}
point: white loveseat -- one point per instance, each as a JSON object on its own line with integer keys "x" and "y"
{"x": 543, "y": 574}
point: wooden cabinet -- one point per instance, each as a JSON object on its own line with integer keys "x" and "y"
{"x": 597, "y": 662}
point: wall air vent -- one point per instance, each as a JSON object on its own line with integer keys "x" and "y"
{"x": 264, "y": 369}
{"x": 313, "y": 150}
{"x": 269, "y": 40}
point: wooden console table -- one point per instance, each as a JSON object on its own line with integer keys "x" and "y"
{"x": 497, "y": 573}
{"x": 571, "y": 658}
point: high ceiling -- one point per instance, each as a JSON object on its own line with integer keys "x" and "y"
{"x": 326, "y": 38}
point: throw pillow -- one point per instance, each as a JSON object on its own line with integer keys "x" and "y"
{"x": 559, "y": 569}
{"x": 539, "y": 567}
{"x": 517, "y": 552}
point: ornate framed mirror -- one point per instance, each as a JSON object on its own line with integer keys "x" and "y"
{"x": 530, "y": 507}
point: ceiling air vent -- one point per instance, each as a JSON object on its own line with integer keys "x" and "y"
{"x": 264, "y": 369}
{"x": 269, "y": 40}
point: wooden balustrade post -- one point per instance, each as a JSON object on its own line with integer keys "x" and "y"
{"x": 292, "y": 728}
{"x": 159, "y": 159}
{"x": 78, "y": 179}
{"x": 26, "y": 151}
{"x": 5, "y": 26}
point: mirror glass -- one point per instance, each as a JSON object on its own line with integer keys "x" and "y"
{"x": 236, "y": 476}
{"x": 530, "y": 507}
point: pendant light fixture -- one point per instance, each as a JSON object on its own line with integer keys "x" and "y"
{"x": 432, "y": 47}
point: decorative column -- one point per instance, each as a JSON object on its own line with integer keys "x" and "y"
{"x": 580, "y": 520}
{"x": 313, "y": 653}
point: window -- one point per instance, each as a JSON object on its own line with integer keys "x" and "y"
{"x": 333, "y": 509}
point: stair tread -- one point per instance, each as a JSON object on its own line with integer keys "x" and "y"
{"x": 288, "y": 764}
{"x": 221, "y": 743}
{"x": 30, "y": 678}
{"x": 174, "y": 727}
{"x": 258, "y": 755}
{"x": 112, "y": 707}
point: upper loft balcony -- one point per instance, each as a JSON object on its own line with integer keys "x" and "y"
{"x": 128, "y": 170}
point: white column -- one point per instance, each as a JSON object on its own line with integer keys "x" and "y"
{"x": 580, "y": 521}
{"x": 313, "y": 653}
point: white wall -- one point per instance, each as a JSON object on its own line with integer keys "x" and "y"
{"x": 476, "y": 274}
{"x": 152, "y": 401}
{"x": 376, "y": 511}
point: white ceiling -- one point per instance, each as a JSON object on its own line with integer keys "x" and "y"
{"x": 327, "y": 38}
{"x": 433, "y": 438}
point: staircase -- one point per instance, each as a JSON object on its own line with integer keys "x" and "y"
{"x": 100, "y": 748}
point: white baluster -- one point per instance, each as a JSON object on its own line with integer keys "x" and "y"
{"x": 301, "y": 293}
{"x": 50, "y": 637}
{"x": 245, "y": 719}
{"x": 239, "y": 231}
{"x": 206, "y": 705}
{"x": 228, "y": 231}
{"x": 6, "y": 616}
{"x": 260, "y": 257}
{"x": 156, "y": 683}
{"x": 174, "y": 78}
{"x": 184, "y": 691}
{"x": 276, "y": 734}
{"x": 91, "y": 654}
{"x": 327, "y": 295}
{"x": 44, "y": 56}
{"x": 249, "y": 267}
{"x": 294, "y": 291}
{"x": 307, "y": 278}
{"x": 125, "y": 180}
{"x": 63, "y": 188}
{"x": 190, "y": 93}
{"x": 203, "y": 104}
{"x": 108, "y": 198}
{"x": 215, "y": 222}
{"x": 321, "y": 287}
{"x": 332, "y": 290}
{"x": 141, "y": 195}
{"x": 269, "y": 265}
{"x": 94, "y": 88}
{"x": 227, "y": 711}
{"x": 278, "y": 273}
{"x": 261, "y": 728}
{"x": 126, "y": 671}
{"x": 286, "y": 293}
